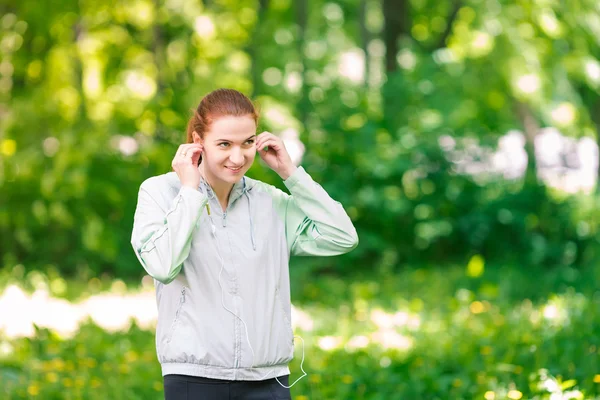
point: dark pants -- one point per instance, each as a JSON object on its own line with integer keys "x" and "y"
{"x": 183, "y": 387}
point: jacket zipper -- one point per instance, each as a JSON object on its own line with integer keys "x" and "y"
{"x": 238, "y": 341}
{"x": 179, "y": 306}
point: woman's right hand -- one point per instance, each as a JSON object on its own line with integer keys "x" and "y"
{"x": 185, "y": 164}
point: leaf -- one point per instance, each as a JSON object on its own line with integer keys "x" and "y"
{"x": 476, "y": 266}
{"x": 568, "y": 384}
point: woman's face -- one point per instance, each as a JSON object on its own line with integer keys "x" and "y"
{"x": 229, "y": 148}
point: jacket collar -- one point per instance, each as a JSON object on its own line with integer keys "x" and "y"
{"x": 239, "y": 188}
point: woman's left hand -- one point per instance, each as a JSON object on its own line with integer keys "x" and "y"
{"x": 276, "y": 155}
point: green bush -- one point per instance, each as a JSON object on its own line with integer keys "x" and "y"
{"x": 428, "y": 333}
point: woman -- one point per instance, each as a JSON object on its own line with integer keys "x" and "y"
{"x": 217, "y": 244}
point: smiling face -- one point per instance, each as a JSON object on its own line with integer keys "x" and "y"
{"x": 229, "y": 149}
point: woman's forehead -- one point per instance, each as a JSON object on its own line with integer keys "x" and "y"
{"x": 232, "y": 128}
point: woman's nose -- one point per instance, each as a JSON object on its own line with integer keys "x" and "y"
{"x": 236, "y": 156}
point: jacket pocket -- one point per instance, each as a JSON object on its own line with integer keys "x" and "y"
{"x": 185, "y": 339}
{"x": 177, "y": 313}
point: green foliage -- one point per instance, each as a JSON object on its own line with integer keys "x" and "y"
{"x": 96, "y": 365}
{"x": 417, "y": 207}
{"x": 427, "y": 333}
{"x": 94, "y": 98}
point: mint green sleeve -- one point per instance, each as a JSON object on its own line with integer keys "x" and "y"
{"x": 162, "y": 238}
{"x": 315, "y": 224}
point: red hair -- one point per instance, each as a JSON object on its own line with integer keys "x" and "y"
{"x": 216, "y": 104}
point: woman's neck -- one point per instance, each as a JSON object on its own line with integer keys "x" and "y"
{"x": 222, "y": 189}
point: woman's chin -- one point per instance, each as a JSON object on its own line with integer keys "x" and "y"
{"x": 231, "y": 177}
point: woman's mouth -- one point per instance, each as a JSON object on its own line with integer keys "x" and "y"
{"x": 234, "y": 170}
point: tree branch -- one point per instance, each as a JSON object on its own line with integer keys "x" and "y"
{"x": 451, "y": 18}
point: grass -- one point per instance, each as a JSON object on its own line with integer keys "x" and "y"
{"x": 430, "y": 333}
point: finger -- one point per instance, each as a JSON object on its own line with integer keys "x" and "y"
{"x": 179, "y": 150}
{"x": 264, "y": 136}
{"x": 183, "y": 150}
{"x": 188, "y": 149}
{"x": 272, "y": 143}
{"x": 264, "y": 148}
{"x": 192, "y": 151}
{"x": 190, "y": 155}
{"x": 260, "y": 144}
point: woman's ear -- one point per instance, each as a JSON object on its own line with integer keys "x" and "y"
{"x": 197, "y": 140}
{"x": 196, "y": 137}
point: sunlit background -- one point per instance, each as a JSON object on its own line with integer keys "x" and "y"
{"x": 460, "y": 136}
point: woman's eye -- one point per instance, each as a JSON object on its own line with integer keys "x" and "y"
{"x": 224, "y": 144}
{"x": 250, "y": 141}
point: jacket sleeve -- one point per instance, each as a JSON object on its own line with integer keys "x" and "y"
{"x": 162, "y": 238}
{"x": 315, "y": 224}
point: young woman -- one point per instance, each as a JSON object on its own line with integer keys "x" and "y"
{"x": 218, "y": 243}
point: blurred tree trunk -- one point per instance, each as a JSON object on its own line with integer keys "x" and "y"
{"x": 591, "y": 101}
{"x": 159, "y": 51}
{"x": 530, "y": 128}
{"x": 595, "y": 113}
{"x": 253, "y": 49}
{"x": 395, "y": 24}
{"x": 79, "y": 34}
{"x": 364, "y": 38}
{"x": 301, "y": 20}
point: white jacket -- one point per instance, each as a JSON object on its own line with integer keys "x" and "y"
{"x": 237, "y": 259}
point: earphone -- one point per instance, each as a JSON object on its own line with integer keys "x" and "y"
{"x": 214, "y": 235}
